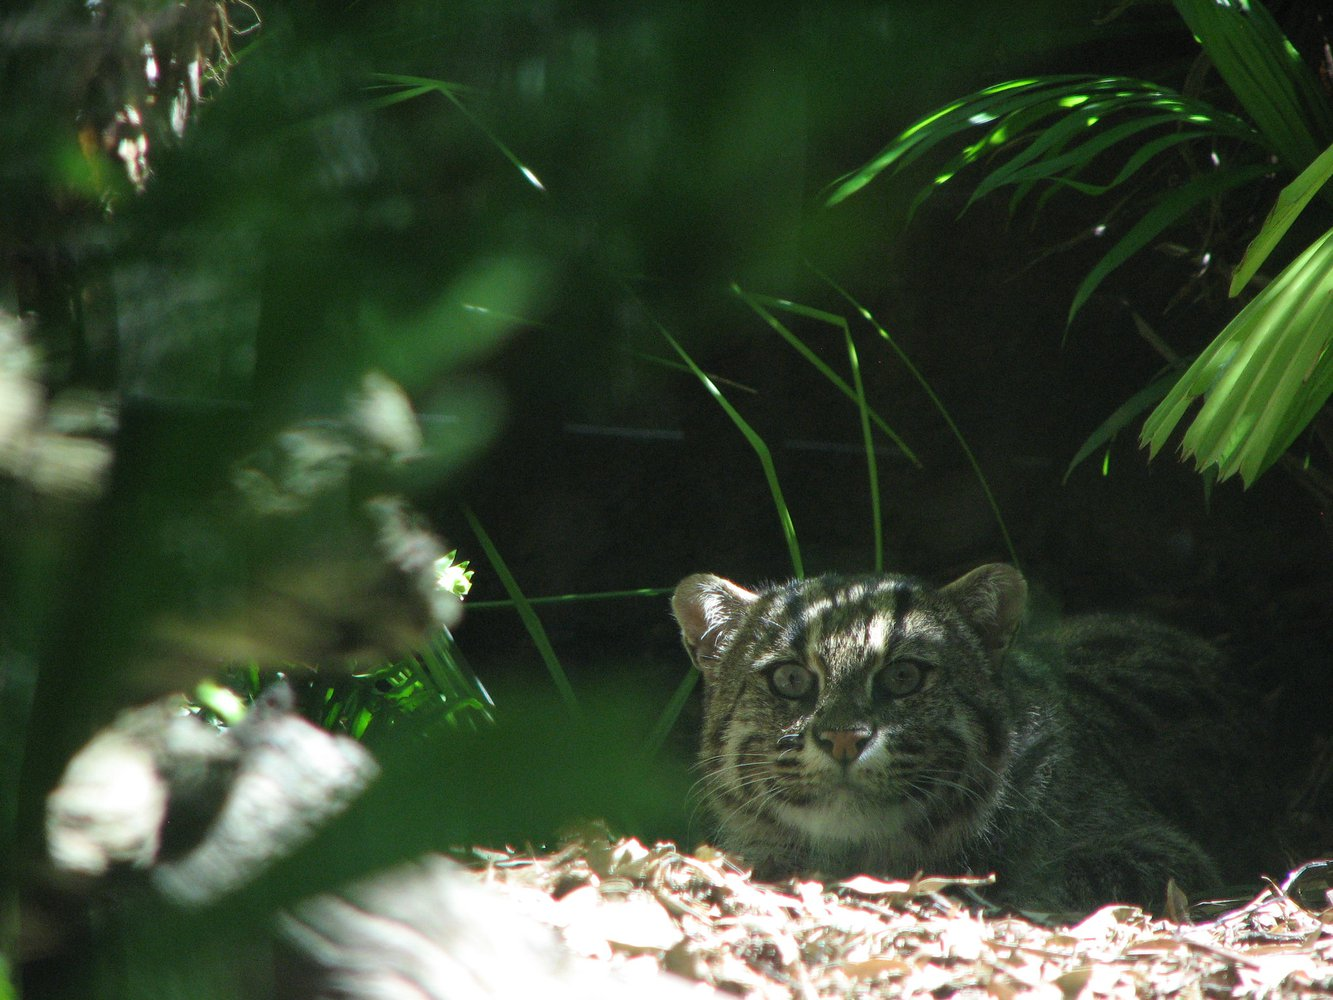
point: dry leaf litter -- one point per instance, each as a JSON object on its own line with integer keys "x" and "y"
{"x": 703, "y": 918}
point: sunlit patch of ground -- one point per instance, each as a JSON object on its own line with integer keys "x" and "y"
{"x": 703, "y": 918}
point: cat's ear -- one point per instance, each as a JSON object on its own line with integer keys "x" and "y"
{"x": 708, "y": 609}
{"x": 993, "y": 597}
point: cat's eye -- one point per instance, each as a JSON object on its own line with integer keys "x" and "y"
{"x": 791, "y": 680}
{"x": 900, "y": 678}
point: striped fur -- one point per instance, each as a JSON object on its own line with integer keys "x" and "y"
{"x": 924, "y": 742}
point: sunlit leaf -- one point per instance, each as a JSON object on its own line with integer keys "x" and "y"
{"x": 1038, "y": 97}
{"x": 1290, "y": 203}
{"x": 1011, "y": 111}
{"x": 1262, "y": 379}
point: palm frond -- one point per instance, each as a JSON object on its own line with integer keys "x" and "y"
{"x": 1011, "y": 113}
{"x": 1262, "y": 379}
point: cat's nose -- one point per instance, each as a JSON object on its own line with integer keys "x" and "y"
{"x": 845, "y": 745}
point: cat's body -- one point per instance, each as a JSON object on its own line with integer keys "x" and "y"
{"x": 874, "y": 724}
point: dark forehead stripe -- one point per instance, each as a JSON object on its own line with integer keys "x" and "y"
{"x": 905, "y": 594}
{"x": 786, "y": 613}
{"x": 904, "y": 597}
{"x": 781, "y": 614}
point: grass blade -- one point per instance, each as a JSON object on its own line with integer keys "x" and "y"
{"x": 416, "y": 86}
{"x": 761, "y": 304}
{"x": 604, "y": 595}
{"x": 940, "y": 408}
{"x": 525, "y": 612}
{"x": 872, "y": 467}
{"x": 757, "y": 443}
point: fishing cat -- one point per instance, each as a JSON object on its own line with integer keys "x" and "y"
{"x": 876, "y": 724}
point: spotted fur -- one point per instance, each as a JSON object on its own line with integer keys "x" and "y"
{"x": 877, "y": 724}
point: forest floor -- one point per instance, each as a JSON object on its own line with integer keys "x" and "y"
{"x": 644, "y": 910}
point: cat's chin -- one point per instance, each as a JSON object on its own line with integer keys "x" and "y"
{"x": 842, "y": 817}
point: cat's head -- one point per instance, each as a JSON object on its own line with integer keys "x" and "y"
{"x": 851, "y": 710}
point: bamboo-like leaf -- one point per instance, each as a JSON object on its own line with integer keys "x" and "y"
{"x": 1266, "y": 73}
{"x": 1086, "y": 152}
{"x": 1264, "y": 349}
{"x": 529, "y": 617}
{"x": 756, "y": 442}
{"x": 1262, "y": 379}
{"x": 1037, "y": 96}
{"x": 1169, "y": 209}
{"x": 1123, "y": 416}
{"x": 1011, "y": 111}
{"x": 1291, "y": 201}
{"x": 1141, "y": 157}
{"x": 1046, "y": 155}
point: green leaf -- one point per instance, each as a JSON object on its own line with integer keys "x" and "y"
{"x": 1083, "y": 154}
{"x": 1011, "y": 111}
{"x": 1262, "y": 379}
{"x": 1141, "y": 157}
{"x": 1169, "y": 208}
{"x": 1045, "y": 155}
{"x": 1124, "y": 414}
{"x": 1291, "y": 201}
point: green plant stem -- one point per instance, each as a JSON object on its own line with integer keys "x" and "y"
{"x": 604, "y": 595}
